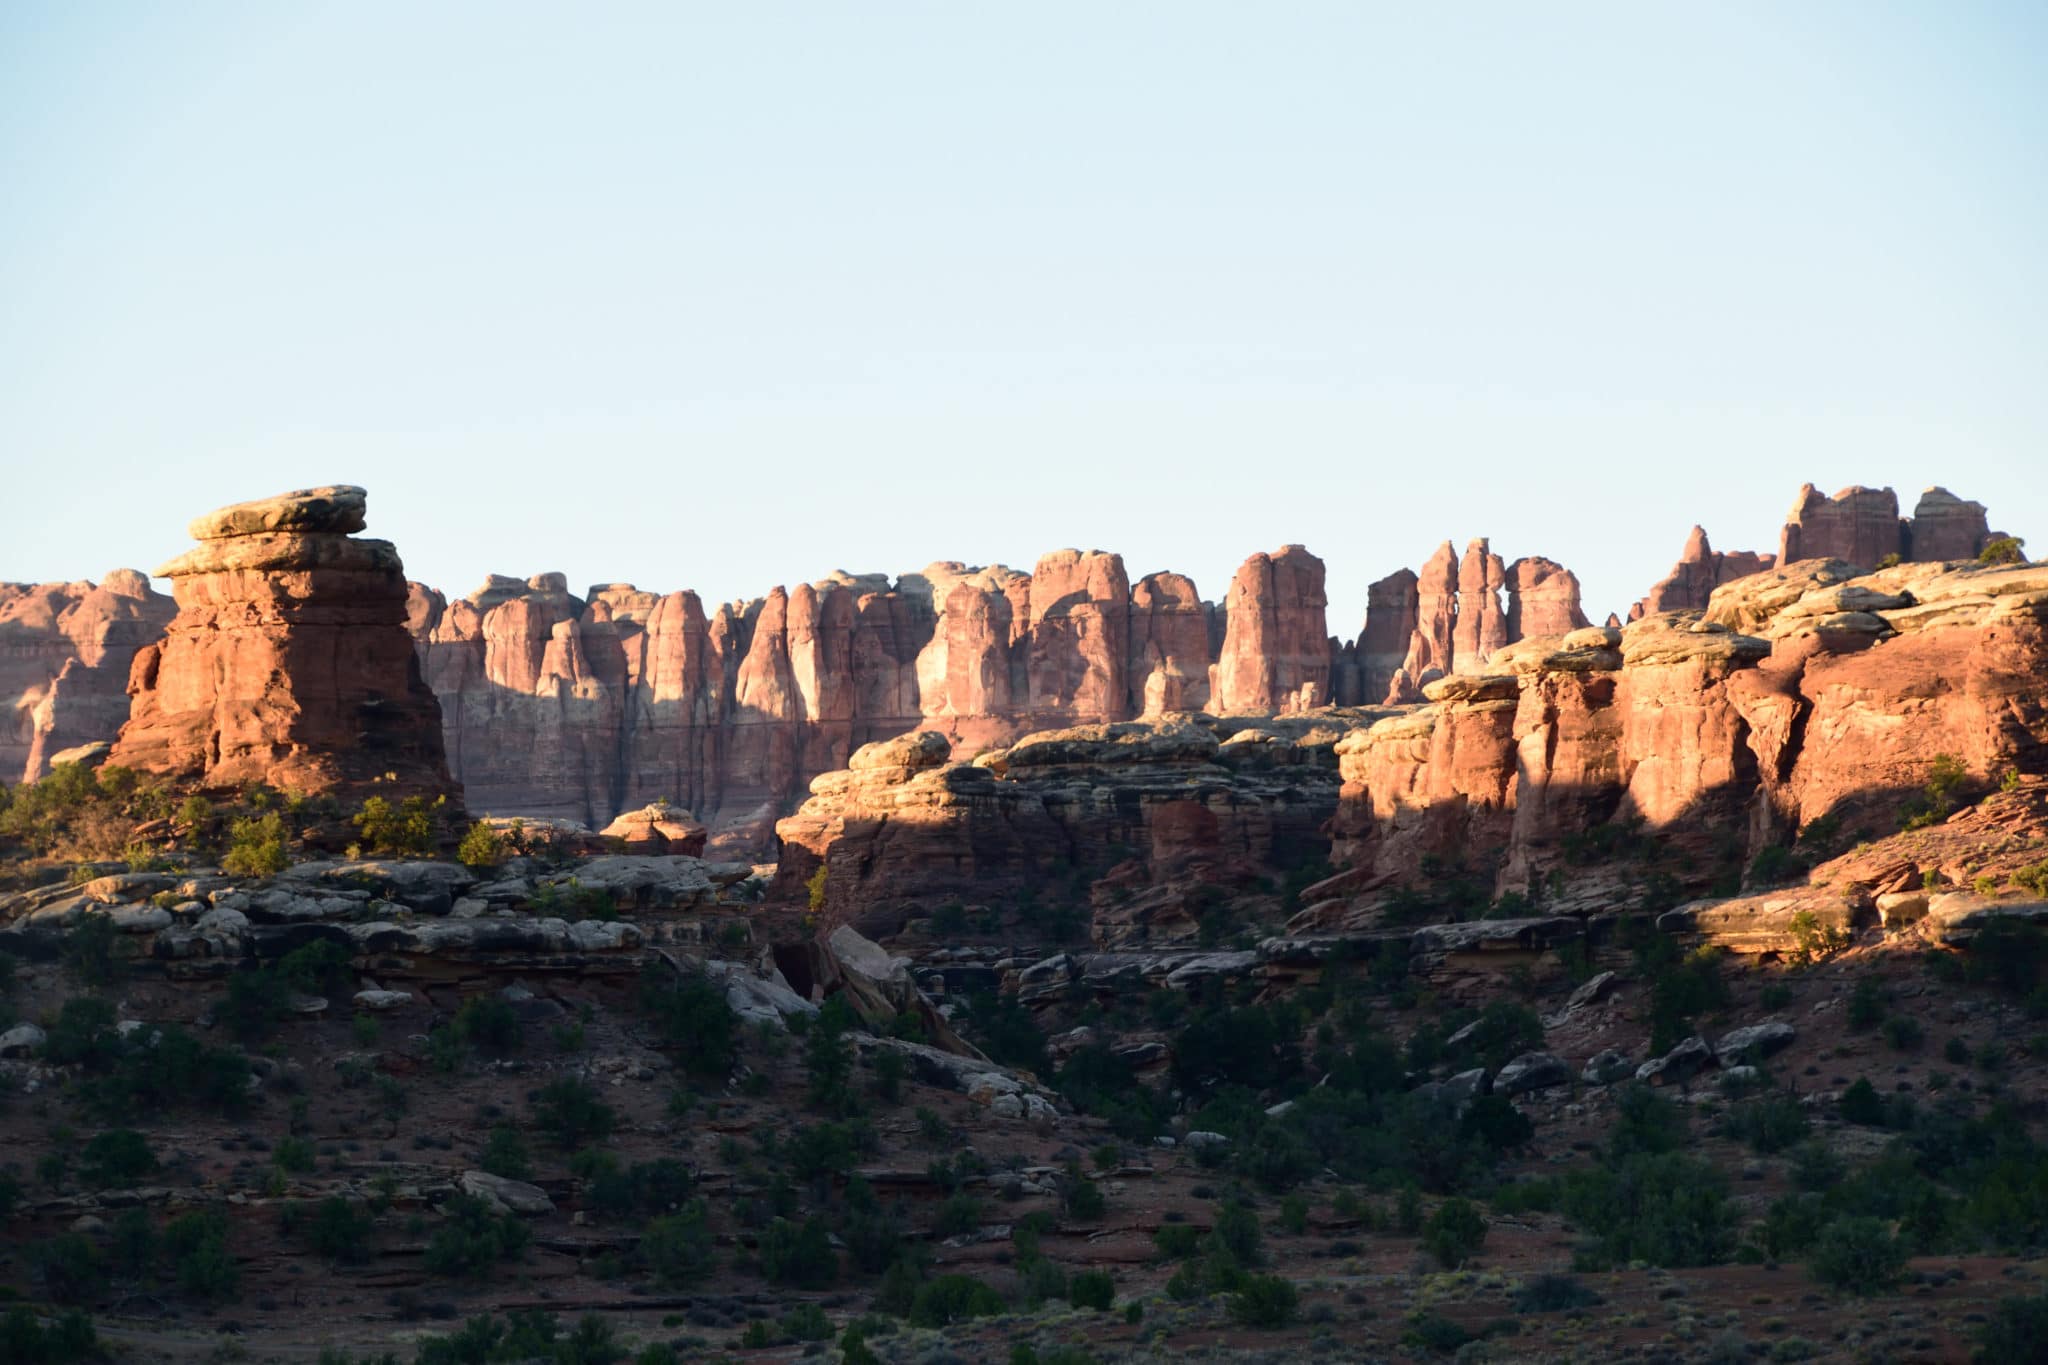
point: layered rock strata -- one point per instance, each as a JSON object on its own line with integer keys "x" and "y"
{"x": 1805, "y": 693}
{"x": 65, "y": 651}
{"x": 577, "y": 709}
{"x": 1120, "y": 823}
{"x": 288, "y": 662}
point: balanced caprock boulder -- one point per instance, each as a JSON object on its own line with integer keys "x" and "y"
{"x": 288, "y": 662}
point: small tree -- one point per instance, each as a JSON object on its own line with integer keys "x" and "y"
{"x": 2003, "y": 550}
{"x": 120, "y": 1156}
{"x": 1859, "y": 1255}
{"x": 481, "y": 847}
{"x": 1264, "y": 1301}
{"x": 256, "y": 847}
{"x": 1455, "y": 1234}
{"x": 816, "y": 889}
{"x": 572, "y": 1112}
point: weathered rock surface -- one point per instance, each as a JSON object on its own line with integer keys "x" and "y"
{"x": 1700, "y": 569}
{"x": 65, "y": 652}
{"x": 1125, "y": 819}
{"x": 579, "y": 709}
{"x": 1276, "y": 647}
{"x": 288, "y": 662}
{"x": 1801, "y": 692}
{"x": 658, "y": 828}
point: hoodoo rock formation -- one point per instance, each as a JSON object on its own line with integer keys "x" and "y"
{"x": 1700, "y": 569}
{"x": 1276, "y": 645}
{"x": 65, "y": 651}
{"x": 1862, "y": 526}
{"x": 581, "y": 709}
{"x": 585, "y": 708}
{"x": 288, "y": 662}
{"x": 1450, "y": 618}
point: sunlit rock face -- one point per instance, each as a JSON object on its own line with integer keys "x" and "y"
{"x": 65, "y": 651}
{"x": 288, "y": 662}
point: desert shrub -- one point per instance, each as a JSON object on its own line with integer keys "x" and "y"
{"x": 293, "y": 1154}
{"x": 340, "y": 1230}
{"x": 89, "y": 949}
{"x": 821, "y": 1149}
{"x": 1551, "y": 1293}
{"x": 959, "y": 1213}
{"x": 1861, "y": 1104}
{"x": 1455, "y": 1233}
{"x": 1903, "y": 1032}
{"x": 197, "y": 1244}
{"x": 1091, "y": 1289}
{"x": 505, "y": 1154}
{"x": 473, "y": 1238}
{"x": 1859, "y": 1255}
{"x": 1666, "y": 1210}
{"x": 1256, "y": 1047}
{"x": 119, "y": 1156}
{"x": 1007, "y": 1031}
{"x": 2003, "y": 550}
{"x": 1097, "y": 1081}
{"x": 1776, "y": 864}
{"x": 489, "y": 1023}
{"x": 408, "y": 829}
{"x": 66, "y": 1338}
{"x": 1645, "y": 1122}
{"x": 1947, "y": 778}
{"x": 572, "y": 1112}
{"x": 2014, "y": 1333}
{"x": 947, "y": 1299}
{"x": 256, "y": 847}
{"x": 83, "y": 1034}
{"x": 1867, "y": 1001}
{"x": 689, "y": 1012}
{"x": 1434, "y": 1333}
{"x": 481, "y": 847}
{"x": 1683, "y": 987}
{"x": 167, "y": 1068}
{"x": 1506, "y": 1029}
{"x": 133, "y": 1244}
{"x": 678, "y": 1248}
{"x": 78, "y": 813}
{"x": 637, "y": 1192}
{"x": 1495, "y": 1123}
{"x": 72, "y": 1267}
{"x": 1236, "y": 1232}
{"x": 891, "y": 1069}
{"x": 1768, "y": 1124}
{"x": 828, "y": 1058}
{"x": 1264, "y": 1301}
{"x": 1813, "y": 941}
{"x": 814, "y": 890}
{"x": 532, "y": 1338}
{"x": 799, "y": 1255}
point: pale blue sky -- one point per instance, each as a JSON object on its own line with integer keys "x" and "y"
{"x": 726, "y": 295}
